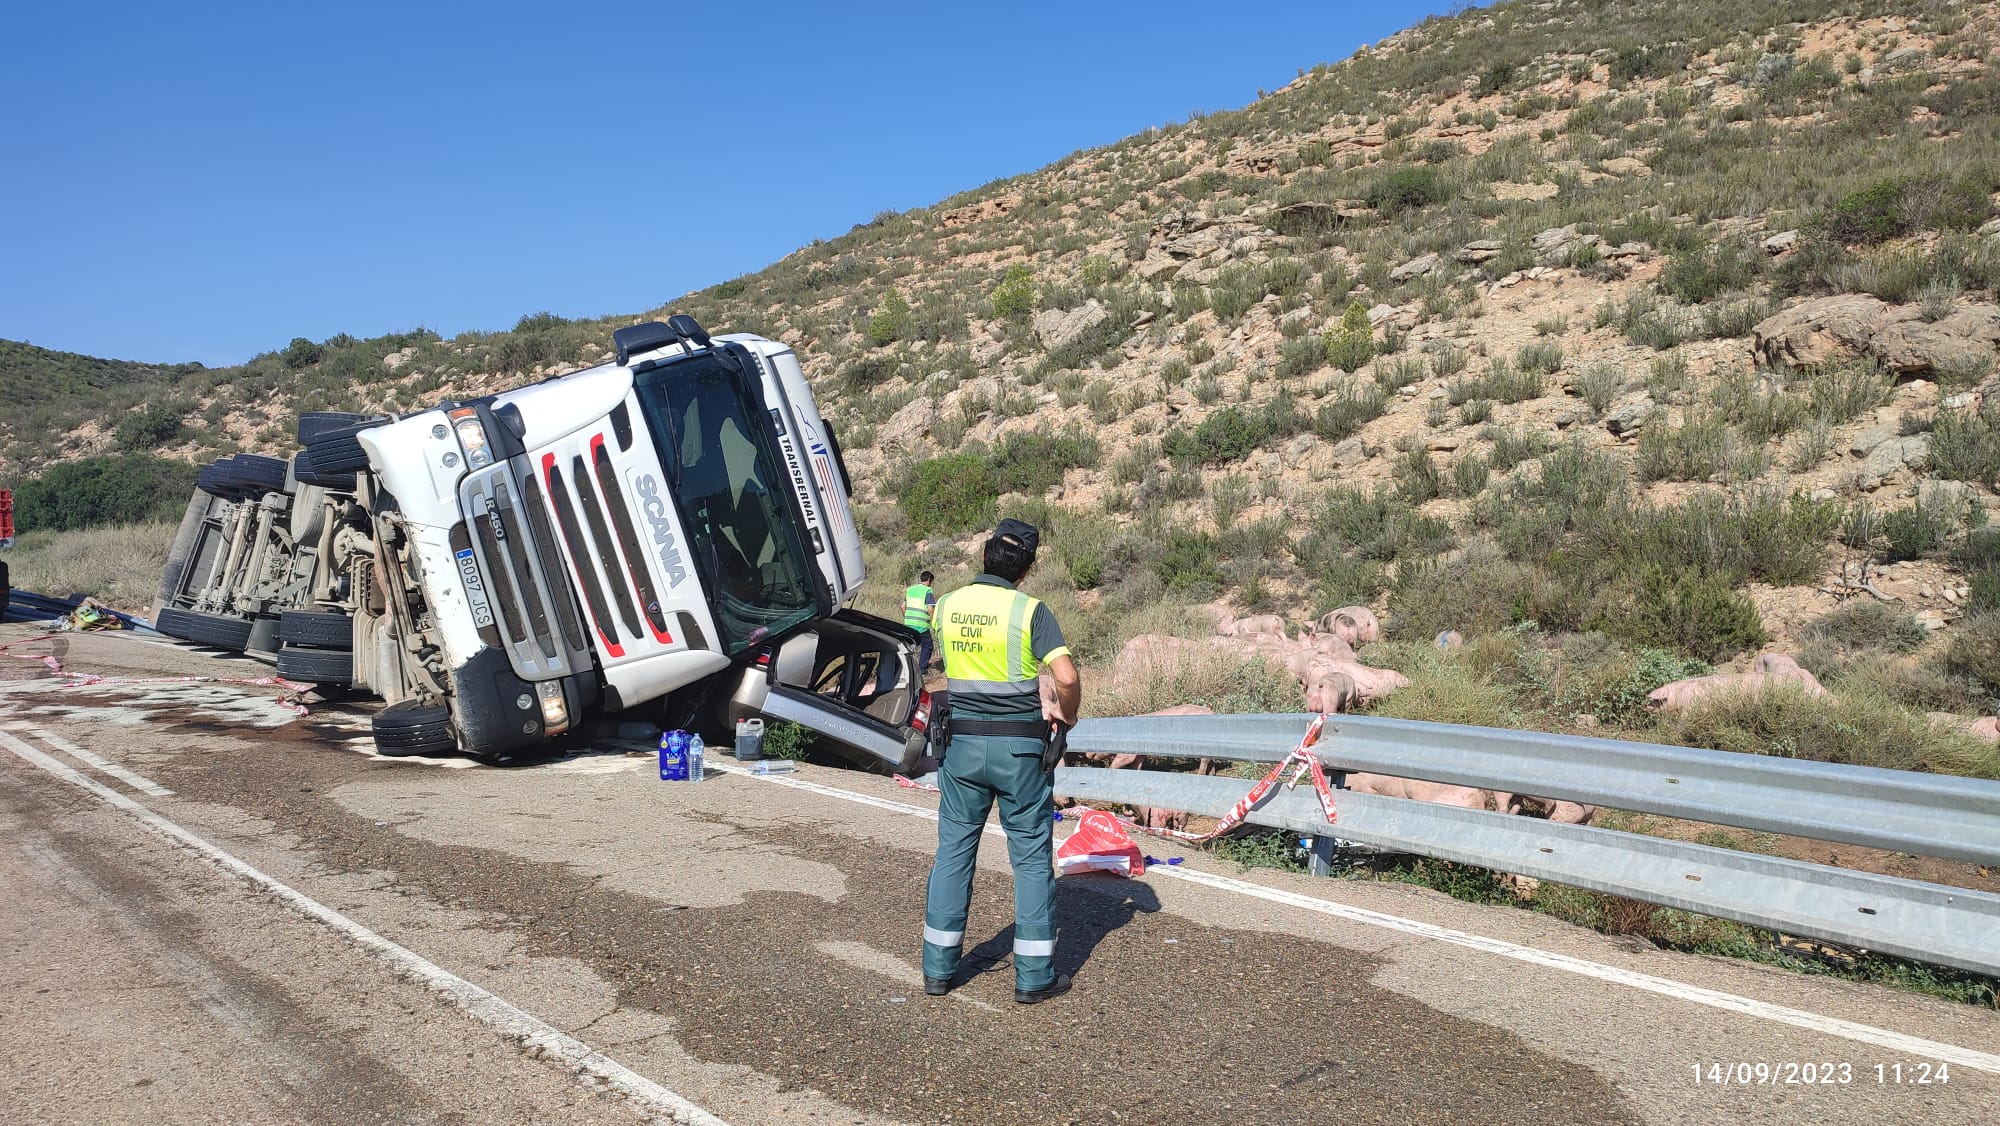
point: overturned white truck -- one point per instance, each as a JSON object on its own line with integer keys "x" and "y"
{"x": 673, "y": 526}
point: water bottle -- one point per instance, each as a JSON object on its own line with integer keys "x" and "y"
{"x": 695, "y": 763}
{"x": 673, "y": 756}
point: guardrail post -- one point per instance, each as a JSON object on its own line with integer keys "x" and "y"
{"x": 1320, "y": 860}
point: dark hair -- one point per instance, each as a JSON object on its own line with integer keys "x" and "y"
{"x": 1008, "y": 558}
{"x": 925, "y": 577}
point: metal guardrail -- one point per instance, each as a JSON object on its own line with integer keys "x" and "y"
{"x": 1898, "y": 810}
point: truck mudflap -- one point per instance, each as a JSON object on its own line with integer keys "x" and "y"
{"x": 497, "y": 714}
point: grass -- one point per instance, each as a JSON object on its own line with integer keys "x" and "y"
{"x": 119, "y": 565}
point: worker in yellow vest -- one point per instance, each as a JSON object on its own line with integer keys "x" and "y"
{"x": 1000, "y": 746}
{"x": 918, "y": 604}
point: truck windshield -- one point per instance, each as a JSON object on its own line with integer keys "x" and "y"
{"x": 730, "y": 485}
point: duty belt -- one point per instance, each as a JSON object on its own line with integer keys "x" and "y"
{"x": 1037, "y": 729}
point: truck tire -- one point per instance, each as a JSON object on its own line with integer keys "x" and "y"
{"x": 204, "y": 629}
{"x": 334, "y": 449}
{"x": 305, "y": 471}
{"x": 317, "y": 629}
{"x": 316, "y": 666}
{"x": 411, "y": 727}
{"x": 253, "y": 474}
{"x": 314, "y": 425}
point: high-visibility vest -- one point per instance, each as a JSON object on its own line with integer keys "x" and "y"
{"x": 984, "y": 633}
{"x": 917, "y": 608}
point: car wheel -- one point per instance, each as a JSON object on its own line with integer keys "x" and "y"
{"x": 204, "y": 629}
{"x": 316, "y": 628}
{"x": 411, "y": 727}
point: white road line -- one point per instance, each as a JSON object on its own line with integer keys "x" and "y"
{"x": 1679, "y": 990}
{"x": 536, "y": 1036}
{"x": 143, "y": 785}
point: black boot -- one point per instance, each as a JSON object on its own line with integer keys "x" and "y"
{"x": 1056, "y": 988}
{"x": 937, "y": 986}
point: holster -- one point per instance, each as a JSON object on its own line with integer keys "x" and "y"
{"x": 1058, "y": 743}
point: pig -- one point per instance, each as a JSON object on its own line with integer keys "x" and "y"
{"x": 1261, "y": 623}
{"x": 1781, "y": 670}
{"x": 1332, "y": 645}
{"x": 1451, "y": 639}
{"x": 1356, "y": 624}
{"x": 1985, "y": 727}
{"x": 1469, "y": 797}
{"x": 1150, "y": 654}
{"x": 1369, "y": 683}
{"x": 1330, "y": 693}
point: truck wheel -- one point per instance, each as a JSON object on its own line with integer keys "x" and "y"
{"x": 316, "y": 628}
{"x": 411, "y": 727}
{"x": 204, "y": 629}
{"x": 314, "y": 425}
{"x": 334, "y": 448}
{"x": 317, "y": 666}
{"x": 253, "y": 474}
{"x": 304, "y": 470}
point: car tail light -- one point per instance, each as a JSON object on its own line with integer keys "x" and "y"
{"x": 921, "y": 721}
{"x": 762, "y": 660}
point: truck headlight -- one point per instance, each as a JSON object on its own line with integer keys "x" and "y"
{"x": 472, "y": 437}
{"x": 555, "y": 713}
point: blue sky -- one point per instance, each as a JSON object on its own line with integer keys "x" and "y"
{"x": 205, "y": 181}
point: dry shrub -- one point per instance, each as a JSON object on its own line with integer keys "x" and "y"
{"x": 117, "y": 565}
{"x": 1220, "y": 680}
{"x": 1856, "y": 727}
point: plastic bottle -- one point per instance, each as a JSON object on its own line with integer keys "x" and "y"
{"x": 673, "y": 756}
{"x": 749, "y": 739}
{"x": 695, "y": 759}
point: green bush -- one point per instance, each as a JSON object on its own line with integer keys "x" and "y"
{"x": 954, "y": 493}
{"x": 1353, "y": 343}
{"x": 890, "y": 321}
{"x": 1347, "y": 410}
{"x": 1856, "y": 728}
{"x": 1480, "y": 592}
{"x": 1863, "y": 624}
{"x": 1406, "y": 189}
{"x": 1696, "y": 276}
{"x": 1919, "y": 530}
{"x": 301, "y": 353}
{"x": 1231, "y": 433}
{"x": 1034, "y": 461}
{"x": 1902, "y": 205}
{"x": 1190, "y": 563}
{"x": 1686, "y": 612}
{"x": 121, "y": 489}
{"x": 1014, "y": 297}
{"x": 152, "y": 425}
{"x": 1965, "y": 447}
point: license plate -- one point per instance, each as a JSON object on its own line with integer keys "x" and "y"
{"x": 475, "y": 588}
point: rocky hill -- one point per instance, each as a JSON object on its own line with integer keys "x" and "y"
{"x": 1671, "y": 321}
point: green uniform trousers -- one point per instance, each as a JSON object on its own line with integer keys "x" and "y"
{"x": 978, "y": 770}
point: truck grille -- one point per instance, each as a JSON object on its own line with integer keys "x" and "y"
{"x": 514, "y": 557}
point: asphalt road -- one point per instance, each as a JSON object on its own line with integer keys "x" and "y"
{"x": 750, "y": 946}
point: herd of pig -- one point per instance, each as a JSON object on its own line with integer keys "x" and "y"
{"x": 1333, "y": 679}
{"x": 1322, "y": 658}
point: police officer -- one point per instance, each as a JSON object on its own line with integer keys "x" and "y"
{"x": 995, "y": 641}
{"x": 918, "y": 603}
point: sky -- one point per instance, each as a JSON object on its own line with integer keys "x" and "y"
{"x": 205, "y": 181}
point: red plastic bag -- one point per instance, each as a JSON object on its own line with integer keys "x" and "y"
{"x": 1100, "y": 843}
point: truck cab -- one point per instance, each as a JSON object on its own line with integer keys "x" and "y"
{"x": 593, "y": 541}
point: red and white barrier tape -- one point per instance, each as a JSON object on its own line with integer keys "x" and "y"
{"x": 1301, "y": 761}
{"x": 291, "y": 701}
{"x": 44, "y": 658}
